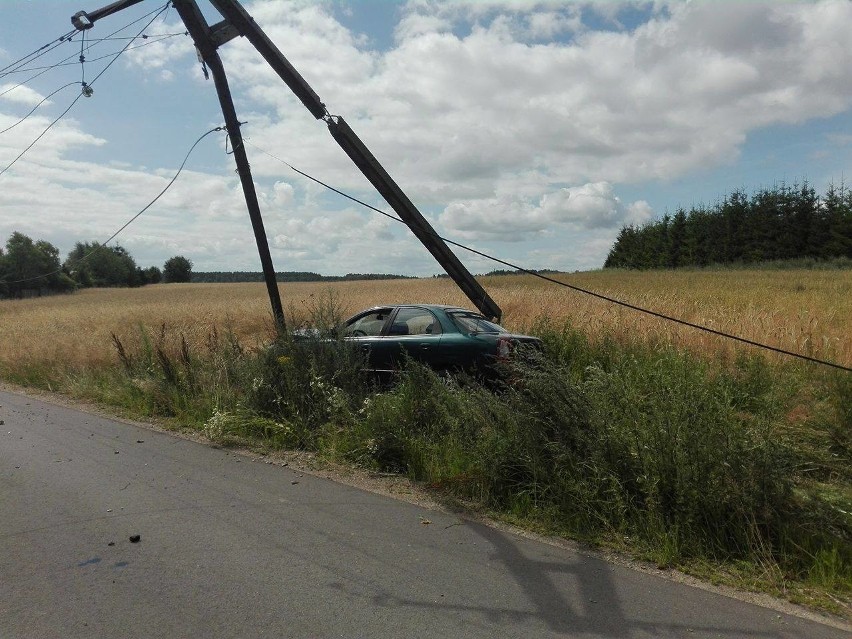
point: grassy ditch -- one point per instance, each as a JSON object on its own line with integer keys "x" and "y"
{"x": 740, "y": 470}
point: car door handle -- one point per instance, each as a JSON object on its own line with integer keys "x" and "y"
{"x": 424, "y": 347}
{"x": 365, "y": 347}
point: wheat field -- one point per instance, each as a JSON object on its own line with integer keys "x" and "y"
{"x": 800, "y": 310}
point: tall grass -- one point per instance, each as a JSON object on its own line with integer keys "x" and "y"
{"x": 800, "y": 310}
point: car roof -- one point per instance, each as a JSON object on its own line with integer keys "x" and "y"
{"x": 443, "y": 307}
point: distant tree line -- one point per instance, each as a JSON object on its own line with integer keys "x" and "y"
{"x": 503, "y": 271}
{"x": 540, "y": 271}
{"x": 288, "y": 276}
{"x": 782, "y": 223}
{"x": 32, "y": 268}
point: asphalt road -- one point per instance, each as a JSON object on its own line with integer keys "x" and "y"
{"x": 234, "y": 548}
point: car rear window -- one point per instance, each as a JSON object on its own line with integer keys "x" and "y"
{"x": 472, "y": 323}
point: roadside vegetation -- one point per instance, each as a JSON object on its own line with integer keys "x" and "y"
{"x": 726, "y": 463}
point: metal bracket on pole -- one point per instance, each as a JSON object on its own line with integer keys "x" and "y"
{"x": 223, "y": 32}
{"x": 83, "y": 20}
{"x": 234, "y": 13}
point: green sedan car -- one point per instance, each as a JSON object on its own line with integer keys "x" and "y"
{"x": 443, "y": 337}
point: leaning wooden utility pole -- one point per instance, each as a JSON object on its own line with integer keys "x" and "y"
{"x": 206, "y": 42}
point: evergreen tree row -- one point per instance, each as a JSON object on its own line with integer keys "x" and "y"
{"x": 783, "y": 223}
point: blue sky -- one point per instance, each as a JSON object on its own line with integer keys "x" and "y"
{"x": 530, "y": 130}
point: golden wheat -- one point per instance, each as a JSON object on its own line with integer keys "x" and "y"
{"x": 803, "y": 311}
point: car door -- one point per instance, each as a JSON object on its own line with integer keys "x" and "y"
{"x": 415, "y": 331}
{"x": 365, "y": 330}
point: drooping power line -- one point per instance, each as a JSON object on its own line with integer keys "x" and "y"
{"x": 578, "y": 289}
{"x": 43, "y": 50}
{"x": 43, "y": 100}
{"x": 84, "y": 92}
{"x": 103, "y": 244}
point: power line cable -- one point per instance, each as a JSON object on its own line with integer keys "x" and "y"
{"x": 86, "y": 91}
{"x": 43, "y": 100}
{"x": 154, "y": 40}
{"x": 41, "y": 135}
{"x": 144, "y": 36}
{"x": 45, "y": 69}
{"x": 47, "y": 48}
{"x": 579, "y": 289}
{"x": 102, "y": 246}
{"x": 162, "y": 9}
{"x": 145, "y": 44}
{"x": 20, "y": 64}
{"x": 41, "y": 71}
{"x": 65, "y": 61}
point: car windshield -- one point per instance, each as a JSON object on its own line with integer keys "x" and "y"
{"x": 472, "y": 323}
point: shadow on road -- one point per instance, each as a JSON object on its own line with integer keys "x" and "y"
{"x": 591, "y": 608}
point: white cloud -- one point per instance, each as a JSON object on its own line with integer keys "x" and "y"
{"x": 512, "y": 218}
{"x": 21, "y": 94}
{"x": 457, "y": 117}
{"x": 415, "y": 24}
{"x": 61, "y": 138}
{"x": 161, "y": 49}
{"x": 548, "y": 24}
{"x": 638, "y": 213}
{"x": 583, "y": 253}
{"x": 283, "y": 193}
{"x": 521, "y": 19}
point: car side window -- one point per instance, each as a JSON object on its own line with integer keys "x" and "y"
{"x": 369, "y": 324}
{"x": 415, "y": 321}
